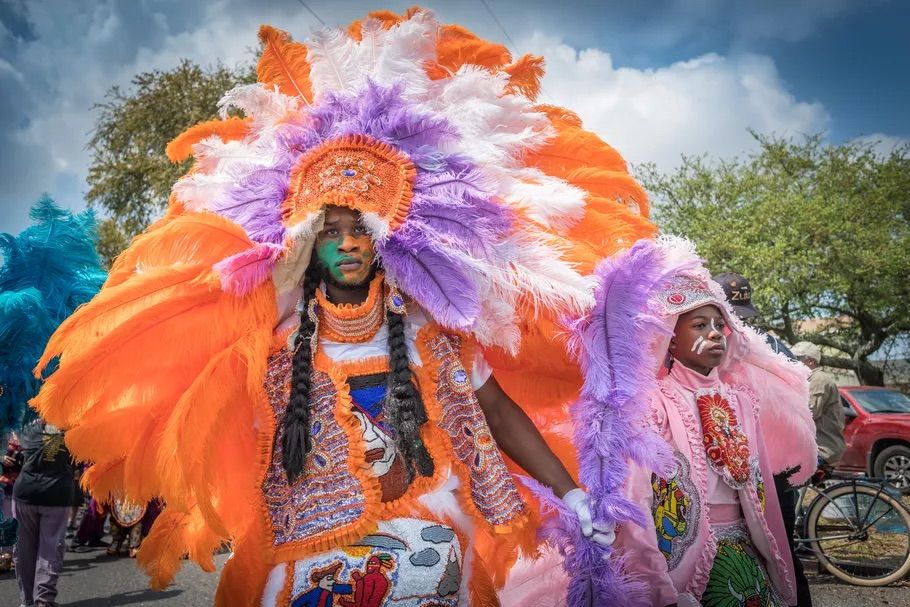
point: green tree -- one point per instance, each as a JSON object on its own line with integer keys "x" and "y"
{"x": 822, "y": 231}
{"x": 130, "y": 178}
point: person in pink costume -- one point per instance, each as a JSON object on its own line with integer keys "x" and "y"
{"x": 731, "y": 414}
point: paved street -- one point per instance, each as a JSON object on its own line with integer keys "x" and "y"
{"x": 91, "y": 579}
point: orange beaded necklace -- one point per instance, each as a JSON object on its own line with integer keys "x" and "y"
{"x": 348, "y": 323}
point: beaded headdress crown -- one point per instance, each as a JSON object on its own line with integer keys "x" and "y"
{"x": 355, "y": 171}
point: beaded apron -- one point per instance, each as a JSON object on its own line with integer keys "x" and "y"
{"x": 327, "y": 496}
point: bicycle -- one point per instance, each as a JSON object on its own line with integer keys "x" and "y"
{"x": 858, "y": 529}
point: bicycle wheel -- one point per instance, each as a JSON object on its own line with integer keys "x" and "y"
{"x": 860, "y": 533}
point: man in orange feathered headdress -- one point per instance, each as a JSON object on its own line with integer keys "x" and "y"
{"x": 364, "y": 275}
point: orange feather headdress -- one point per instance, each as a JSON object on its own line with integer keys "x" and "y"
{"x": 489, "y": 210}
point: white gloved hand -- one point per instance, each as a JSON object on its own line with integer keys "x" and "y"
{"x": 580, "y": 503}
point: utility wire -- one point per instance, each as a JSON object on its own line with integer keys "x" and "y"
{"x": 496, "y": 20}
{"x": 509, "y": 38}
{"x": 312, "y": 12}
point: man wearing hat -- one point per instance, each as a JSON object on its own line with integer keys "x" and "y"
{"x": 824, "y": 400}
{"x": 739, "y": 295}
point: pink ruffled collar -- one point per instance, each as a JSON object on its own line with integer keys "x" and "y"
{"x": 693, "y": 380}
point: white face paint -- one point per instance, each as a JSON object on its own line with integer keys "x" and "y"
{"x": 723, "y": 338}
{"x": 699, "y": 345}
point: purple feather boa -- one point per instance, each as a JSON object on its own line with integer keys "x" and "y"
{"x": 609, "y": 420}
{"x": 595, "y": 576}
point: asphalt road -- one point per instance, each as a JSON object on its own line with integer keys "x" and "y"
{"x": 91, "y": 579}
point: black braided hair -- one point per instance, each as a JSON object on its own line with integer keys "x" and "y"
{"x": 403, "y": 406}
{"x": 295, "y": 443}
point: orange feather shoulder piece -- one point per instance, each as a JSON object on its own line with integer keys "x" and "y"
{"x": 179, "y": 421}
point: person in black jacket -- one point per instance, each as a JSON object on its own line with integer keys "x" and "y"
{"x": 739, "y": 294}
{"x": 42, "y": 498}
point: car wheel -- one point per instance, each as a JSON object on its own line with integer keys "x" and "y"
{"x": 893, "y": 464}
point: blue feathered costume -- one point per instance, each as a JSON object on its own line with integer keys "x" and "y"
{"x": 48, "y": 270}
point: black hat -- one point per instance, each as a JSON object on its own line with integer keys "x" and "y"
{"x": 738, "y": 292}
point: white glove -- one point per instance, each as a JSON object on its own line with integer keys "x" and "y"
{"x": 580, "y": 503}
{"x": 687, "y": 600}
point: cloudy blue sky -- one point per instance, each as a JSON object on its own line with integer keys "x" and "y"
{"x": 656, "y": 78}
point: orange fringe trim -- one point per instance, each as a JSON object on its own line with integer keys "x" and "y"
{"x": 390, "y": 199}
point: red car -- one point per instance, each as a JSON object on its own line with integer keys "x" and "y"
{"x": 877, "y": 433}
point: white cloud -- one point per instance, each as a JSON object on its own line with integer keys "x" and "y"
{"x": 704, "y": 105}
{"x": 882, "y": 144}
{"x": 80, "y": 50}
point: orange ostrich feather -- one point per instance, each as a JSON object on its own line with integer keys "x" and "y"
{"x": 284, "y": 63}
{"x": 231, "y": 129}
{"x": 175, "y": 427}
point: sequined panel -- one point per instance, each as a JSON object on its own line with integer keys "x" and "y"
{"x": 684, "y": 292}
{"x": 404, "y": 563}
{"x": 492, "y": 487}
{"x": 327, "y": 495}
{"x": 676, "y": 510}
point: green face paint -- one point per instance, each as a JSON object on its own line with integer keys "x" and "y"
{"x": 330, "y": 257}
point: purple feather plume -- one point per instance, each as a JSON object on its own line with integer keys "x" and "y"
{"x": 255, "y": 204}
{"x": 438, "y": 282}
{"x": 594, "y": 579}
{"x": 609, "y": 418}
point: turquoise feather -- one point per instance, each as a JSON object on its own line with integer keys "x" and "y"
{"x": 48, "y": 270}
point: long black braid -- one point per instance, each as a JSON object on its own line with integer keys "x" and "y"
{"x": 295, "y": 443}
{"x": 404, "y": 409}
{"x": 403, "y": 406}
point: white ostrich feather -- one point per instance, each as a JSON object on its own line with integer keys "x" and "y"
{"x": 214, "y": 155}
{"x": 538, "y": 269}
{"x": 377, "y": 227}
{"x": 404, "y": 50}
{"x": 264, "y": 106}
{"x": 548, "y": 200}
{"x": 220, "y": 164}
{"x": 197, "y": 191}
{"x": 495, "y": 127}
{"x": 496, "y": 325}
{"x": 336, "y": 62}
{"x": 397, "y": 54}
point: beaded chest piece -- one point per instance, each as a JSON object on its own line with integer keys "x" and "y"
{"x": 725, "y": 443}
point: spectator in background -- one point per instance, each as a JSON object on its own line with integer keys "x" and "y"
{"x": 739, "y": 293}
{"x": 42, "y": 498}
{"x": 11, "y": 465}
{"x": 826, "y": 406}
